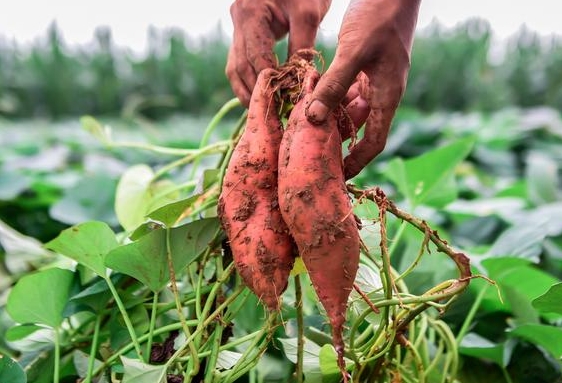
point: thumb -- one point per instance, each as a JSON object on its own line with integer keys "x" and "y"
{"x": 331, "y": 88}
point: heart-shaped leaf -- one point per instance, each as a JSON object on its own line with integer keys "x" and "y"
{"x": 428, "y": 179}
{"x": 87, "y": 243}
{"x": 551, "y": 301}
{"x": 147, "y": 258}
{"x": 41, "y": 297}
{"x": 137, "y": 194}
{"x": 169, "y": 214}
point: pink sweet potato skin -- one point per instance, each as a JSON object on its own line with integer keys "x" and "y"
{"x": 262, "y": 248}
{"x": 316, "y": 207}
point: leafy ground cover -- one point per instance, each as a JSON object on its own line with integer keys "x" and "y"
{"x": 85, "y": 277}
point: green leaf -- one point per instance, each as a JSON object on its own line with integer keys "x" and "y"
{"x": 19, "y": 332}
{"x": 521, "y": 305}
{"x": 518, "y": 274}
{"x": 95, "y": 296}
{"x": 11, "y": 371}
{"x": 369, "y": 282}
{"x": 87, "y": 244}
{"x": 475, "y": 345}
{"x": 20, "y": 250}
{"x": 12, "y": 184}
{"x": 551, "y": 301}
{"x": 547, "y": 337}
{"x": 546, "y": 216}
{"x": 329, "y": 365}
{"x": 169, "y": 214}
{"x": 319, "y": 363}
{"x": 137, "y": 195}
{"x": 484, "y": 207}
{"x": 139, "y": 372}
{"x": 524, "y": 241}
{"x": 80, "y": 360}
{"x": 210, "y": 176}
{"x": 227, "y": 359}
{"x": 429, "y": 179}
{"x": 40, "y": 297}
{"x": 541, "y": 174}
{"x": 94, "y": 127}
{"x": 146, "y": 259}
{"x": 144, "y": 229}
{"x": 40, "y": 368}
{"x": 89, "y": 200}
{"x": 366, "y": 209}
{"x": 311, "y": 351}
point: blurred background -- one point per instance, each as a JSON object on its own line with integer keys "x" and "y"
{"x": 107, "y": 58}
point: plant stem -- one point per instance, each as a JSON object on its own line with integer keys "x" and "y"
{"x": 153, "y": 311}
{"x": 419, "y": 256}
{"x": 192, "y": 348}
{"x": 126, "y": 318}
{"x": 416, "y": 357}
{"x": 154, "y": 148}
{"x": 246, "y": 362}
{"x": 506, "y": 375}
{"x": 397, "y": 237}
{"x": 227, "y": 346}
{"x": 217, "y": 147}
{"x": 228, "y": 154}
{"x": 471, "y": 314}
{"x": 203, "y": 324}
{"x": 56, "y": 371}
{"x": 227, "y": 107}
{"x": 452, "y": 351}
{"x": 125, "y": 349}
{"x": 93, "y": 349}
{"x": 201, "y": 276}
{"x": 300, "y": 330}
{"x": 214, "y": 354}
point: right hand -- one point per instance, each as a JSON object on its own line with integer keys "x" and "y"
{"x": 374, "y": 46}
{"x": 258, "y": 24}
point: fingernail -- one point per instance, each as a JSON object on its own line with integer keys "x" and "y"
{"x": 317, "y": 112}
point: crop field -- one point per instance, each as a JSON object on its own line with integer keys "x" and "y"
{"x": 73, "y": 200}
{"x": 116, "y": 265}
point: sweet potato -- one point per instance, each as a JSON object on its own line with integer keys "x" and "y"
{"x": 262, "y": 248}
{"x": 317, "y": 209}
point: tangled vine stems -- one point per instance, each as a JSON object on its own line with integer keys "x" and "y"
{"x": 462, "y": 261}
{"x": 399, "y": 309}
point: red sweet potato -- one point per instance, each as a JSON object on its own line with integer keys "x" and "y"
{"x": 262, "y": 248}
{"x": 317, "y": 209}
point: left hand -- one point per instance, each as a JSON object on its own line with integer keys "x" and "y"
{"x": 258, "y": 24}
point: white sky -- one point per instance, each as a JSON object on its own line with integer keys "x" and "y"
{"x": 25, "y": 20}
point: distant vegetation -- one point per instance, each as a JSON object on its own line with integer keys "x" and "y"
{"x": 452, "y": 69}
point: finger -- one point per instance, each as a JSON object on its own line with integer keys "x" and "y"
{"x": 384, "y": 94}
{"x": 332, "y": 88}
{"x": 303, "y": 29}
{"x": 260, "y": 40}
{"x": 237, "y": 70}
{"x": 351, "y": 94}
{"x": 252, "y": 44}
{"x": 360, "y": 87}
{"x": 373, "y": 142}
{"x": 358, "y": 110}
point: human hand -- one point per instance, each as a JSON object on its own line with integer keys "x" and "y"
{"x": 368, "y": 73}
{"x": 258, "y": 24}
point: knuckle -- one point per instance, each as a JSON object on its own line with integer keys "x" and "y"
{"x": 333, "y": 91}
